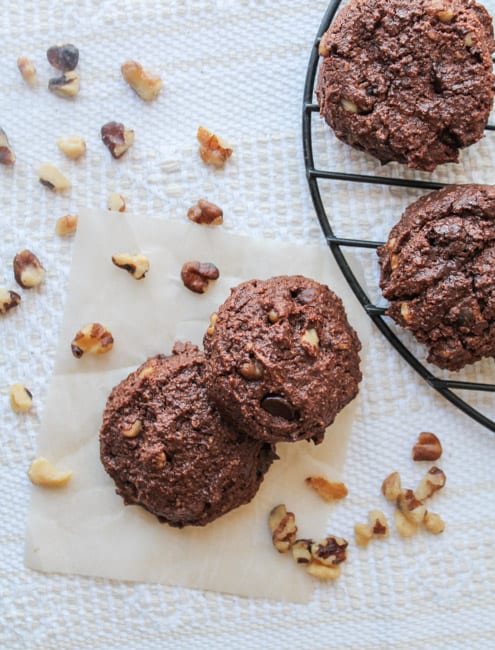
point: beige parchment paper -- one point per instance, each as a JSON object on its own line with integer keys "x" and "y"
{"x": 85, "y": 528}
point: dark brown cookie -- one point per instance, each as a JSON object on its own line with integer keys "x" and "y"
{"x": 438, "y": 272}
{"x": 282, "y": 358}
{"x": 167, "y": 449}
{"x": 408, "y": 80}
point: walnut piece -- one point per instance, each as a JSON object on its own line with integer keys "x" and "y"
{"x": 283, "y": 528}
{"x": 67, "y": 85}
{"x": 213, "y": 320}
{"x": 133, "y": 430}
{"x": 73, "y": 147}
{"x": 117, "y": 138}
{"x": 213, "y": 150}
{"x": 405, "y": 527}
{"x": 145, "y": 84}
{"x": 63, "y": 57}
{"x": 93, "y": 338}
{"x": 391, "y": 487}
{"x": 310, "y": 341}
{"x": 116, "y": 202}
{"x": 329, "y": 551}
{"x": 52, "y": 178}
{"x": 327, "y": 490}
{"x": 434, "y": 480}
{"x": 8, "y": 300}
{"x": 136, "y": 265}
{"x": 66, "y": 225}
{"x": 252, "y": 370}
{"x": 205, "y": 213}
{"x": 43, "y": 473}
{"x": 27, "y": 70}
{"x": 434, "y": 523}
{"x": 428, "y": 447}
{"x": 322, "y": 571}
{"x": 28, "y": 270}
{"x": 196, "y": 276}
{"x": 301, "y": 551}
{"x": 379, "y": 524}
{"x": 7, "y": 155}
{"x": 363, "y": 534}
{"x": 21, "y": 399}
{"x": 349, "y": 106}
{"x": 411, "y": 507}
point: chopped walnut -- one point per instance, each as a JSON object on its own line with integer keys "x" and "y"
{"x": 116, "y": 202}
{"x": 329, "y": 551}
{"x": 7, "y": 155}
{"x": 73, "y": 147}
{"x": 136, "y": 265}
{"x": 196, "y": 276}
{"x": 8, "y": 300}
{"x": 434, "y": 523}
{"x": 349, "y": 106}
{"x": 434, "y": 480}
{"x": 145, "y": 84}
{"x": 92, "y": 339}
{"x": 134, "y": 430}
{"x": 66, "y": 225}
{"x": 205, "y": 213}
{"x": 283, "y": 527}
{"x": 301, "y": 551}
{"x": 117, "y": 138}
{"x": 28, "y": 270}
{"x": 27, "y": 70}
{"x": 21, "y": 399}
{"x": 52, "y": 178}
{"x": 428, "y": 447}
{"x": 327, "y": 490}
{"x": 363, "y": 534}
{"x": 379, "y": 524}
{"x": 391, "y": 487}
{"x": 322, "y": 571}
{"x": 213, "y": 320}
{"x": 43, "y": 473}
{"x": 411, "y": 507}
{"x": 213, "y": 150}
{"x": 405, "y": 527}
{"x": 67, "y": 85}
{"x": 310, "y": 341}
{"x": 405, "y": 312}
{"x": 252, "y": 370}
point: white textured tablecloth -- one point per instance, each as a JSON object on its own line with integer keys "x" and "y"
{"x": 237, "y": 67}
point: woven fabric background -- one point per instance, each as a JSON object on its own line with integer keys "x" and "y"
{"x": 238, "y": 67}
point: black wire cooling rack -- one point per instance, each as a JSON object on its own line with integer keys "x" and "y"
{"x": 377, "y": 314}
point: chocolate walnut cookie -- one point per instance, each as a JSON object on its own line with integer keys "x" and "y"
{"x": 282, "y": 359}
{"x": 438, "y": 272}
{"x": 408, "y": 80}
{"x": 167, "y": 449}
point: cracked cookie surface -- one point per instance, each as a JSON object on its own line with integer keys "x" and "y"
{"x": 282, "y": 358}
{"x": 408, "y": 80}
{"x": 438, "y": 273}
{"x": 167, "y": 449}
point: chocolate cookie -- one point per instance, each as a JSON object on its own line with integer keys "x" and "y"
{"x": 438, "y": 272}
{"x": 408, "y": 80}
{"x": 282, "y": 358}
{"x": 167, "y": 449}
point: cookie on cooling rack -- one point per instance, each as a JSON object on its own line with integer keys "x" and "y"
{"x": 166, "y": 448}
{"x": 408, "y": 80}
{"x": 282, "y": 358}
{"x": 438, "y": 272}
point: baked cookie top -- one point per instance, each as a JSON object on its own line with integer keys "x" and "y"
{"x": 167, "y": 449}
{"x": 408, "y": 80}
{"x": 282, "y": 358}
{"x": 438, "y": 273}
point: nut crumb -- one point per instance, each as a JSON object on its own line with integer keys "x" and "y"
{"x": 323, "y": 572}
{"x": 391, "y": 487}
{"x": 27, "y": 70}
{"x": 327, "y": 490}
{"x": 213, "y": 320}
{"x": 428, "y": 447}
{"x": 73, "y": 147}
{"x": 136, "y": 265}
{"x": 196, "y": 276}
{"x": 283, "y": 528}
{"x": 379, "y": 524}
{"x": 363, "y": 534}
{"x": 117, "y": 138}
{"x": 145, "y": 84}
{"x": 52, "y": 178}
{"x": 28, "y": 270}
{"x": 7, "y": 155}
{"x": 205, "y": 213}
{"x": 43, "y": 473}
{"x": 405, "y": 527}
{"x": 67, "y": 85}
{"x": 434, "y": 480}
{"x": 21, "y": 399}
{"x": 116, "y": 202}
{"x": 8, "y": 300}
{"x": 93, "y": 338}
{"x": 213, "y": 150}
{"x": 66, "y": 225}
{"x": 301, "y": 551}
{"x": 434, "y": 523}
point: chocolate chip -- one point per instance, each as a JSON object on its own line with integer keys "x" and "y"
{"x": 278, "y": 406}
{"x": 64, "y": 57}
